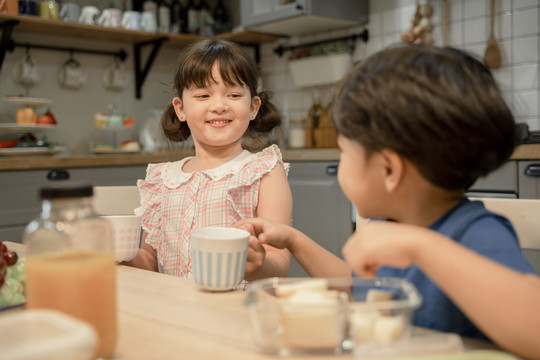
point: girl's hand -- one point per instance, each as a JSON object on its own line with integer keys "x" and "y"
{"x": 255, "y": 256}
{"x": 383, "y": 243}
{"x": 268, "y": 232}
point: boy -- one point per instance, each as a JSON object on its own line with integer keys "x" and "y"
{"x": 417, "y": 125}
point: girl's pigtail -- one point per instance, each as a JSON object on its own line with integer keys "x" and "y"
{"x": 174, "y": 129}
{"x": 268, "y": 116}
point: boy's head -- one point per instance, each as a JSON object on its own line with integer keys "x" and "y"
{"x": 438, "y": 107}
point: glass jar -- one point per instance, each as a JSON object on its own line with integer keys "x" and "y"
{"x": 70, "y": 263}
{"x": 297, "y": 133}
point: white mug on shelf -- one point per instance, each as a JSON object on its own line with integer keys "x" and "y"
{"x": 89, "y": 15}
{"x": 148, "y": 21}
{"x": 131, "y": 20}
{"x": 110, "y": 18}
{"x": 70, "y": 12}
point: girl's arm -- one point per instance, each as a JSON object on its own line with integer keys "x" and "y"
{"x": 275, "y": 203}
{"x": 146, "y": 257}
{"x": 502, "y": 302}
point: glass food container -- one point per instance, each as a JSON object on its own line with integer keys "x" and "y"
{"x": 70, "y": 264}
{"x": 309, "y": 316}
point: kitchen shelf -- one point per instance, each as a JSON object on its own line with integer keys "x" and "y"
{"x": 139, "y": 39}
{"x": 37, "y": 25}
{"x": 16, "y": 128}
{"x": 26, "y": 101}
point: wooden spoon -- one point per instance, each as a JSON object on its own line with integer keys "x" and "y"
{"x": 492, "y": 56}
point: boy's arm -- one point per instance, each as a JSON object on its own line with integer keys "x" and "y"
{"x": 502, "y": 302}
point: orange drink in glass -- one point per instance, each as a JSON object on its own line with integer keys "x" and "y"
{"x": 80, "y": 283}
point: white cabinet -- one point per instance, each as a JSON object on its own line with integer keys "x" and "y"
{"x": 20, "y": 198}
{"x": 320, "y": 209}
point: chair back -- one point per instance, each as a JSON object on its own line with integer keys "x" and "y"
{"x": 524, "y": 214}
{"x": 116, "y": 200}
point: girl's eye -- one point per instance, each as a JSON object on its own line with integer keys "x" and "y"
{"x": 236, "y": 95}
{"x": 201, "y": 96}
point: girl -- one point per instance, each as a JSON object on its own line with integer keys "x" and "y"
{"x": 216, "y": 104}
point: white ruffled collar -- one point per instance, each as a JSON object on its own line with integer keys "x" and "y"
{"x": 173, "y": 175}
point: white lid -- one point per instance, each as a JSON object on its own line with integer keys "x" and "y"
{"x": 45, "y": 334}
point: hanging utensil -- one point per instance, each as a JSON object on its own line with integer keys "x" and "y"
{"x": 492, "y": 56}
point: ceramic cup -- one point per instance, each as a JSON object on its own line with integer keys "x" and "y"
{"x": 27, "y": 7}
{"x": 110, "y": 18}
{"x": 26, "y": 71}
{"x": 9, "y": 7}
{"x": 219, "y": 256}
{"x": 70, "y": 12}
{"x": 148, "y": 21}
{"x": 89, "y": 15}
{"x": 115, "y": 76}
{"x": 71, "y": 75}
{"x": 131, "y": 20}
{"x": 48, "y": 10}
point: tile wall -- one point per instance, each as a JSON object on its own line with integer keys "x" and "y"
{"x": 516, "y": 31}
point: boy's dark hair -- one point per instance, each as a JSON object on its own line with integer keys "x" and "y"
{"x": 438, "y": 107}
{"x": 235, "y": 67}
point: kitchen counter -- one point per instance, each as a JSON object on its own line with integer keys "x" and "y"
{"x": 523, "y": 152}
{"x": 129, "y": 159}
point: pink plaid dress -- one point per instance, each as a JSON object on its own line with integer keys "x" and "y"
{"x": 174, "y": 202}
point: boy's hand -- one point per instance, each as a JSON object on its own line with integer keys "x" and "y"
{"x": 268, "y": 232}
{"x": 381, "y": 243}
{"x": 255, "y": 256}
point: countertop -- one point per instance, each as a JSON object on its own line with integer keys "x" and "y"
{"x": 33, "y": 162}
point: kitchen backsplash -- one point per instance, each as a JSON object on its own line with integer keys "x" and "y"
{"x": 516, "y": 31}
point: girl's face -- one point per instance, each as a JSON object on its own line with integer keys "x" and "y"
{"x": 218, "y": 114}
{"x": 361, "y": 178}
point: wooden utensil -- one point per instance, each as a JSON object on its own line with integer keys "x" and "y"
{"x": 492, "y": 56}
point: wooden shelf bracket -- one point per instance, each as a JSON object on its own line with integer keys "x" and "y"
{"x": 140, "y": 73}
{"x": 7, "y": 27}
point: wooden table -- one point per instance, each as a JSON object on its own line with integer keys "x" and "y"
{"x": 166, "y": 317}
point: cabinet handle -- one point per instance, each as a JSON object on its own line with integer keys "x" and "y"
{"x": 331, "y": 169}
{"x": 58, "y": 174}
{"x": 533, "y": 170}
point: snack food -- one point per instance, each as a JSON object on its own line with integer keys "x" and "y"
{"x": 26, "y": 116}
{"x": 12, "y": 278}
{"x": 311, "y": 316}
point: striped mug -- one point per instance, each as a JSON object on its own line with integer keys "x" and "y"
{"x": 219, "y": 257}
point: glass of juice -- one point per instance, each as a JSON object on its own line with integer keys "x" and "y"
{"x": 70, "y": 264}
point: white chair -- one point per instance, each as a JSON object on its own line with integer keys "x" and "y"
{"x": 524, "y": 214}
{"x": 116, "y": 200}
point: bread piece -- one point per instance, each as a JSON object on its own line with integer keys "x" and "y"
{"x": 388, "y": 328}
{"x": 286, "y": 290}
{"x": 375, "y": 295}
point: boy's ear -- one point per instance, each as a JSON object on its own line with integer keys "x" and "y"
{"x": 393, "y": 167}
{"x": 179, "y": 108}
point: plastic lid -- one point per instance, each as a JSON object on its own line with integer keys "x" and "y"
{"x": 66, "y": 190}
{"x": 45, "y": 334}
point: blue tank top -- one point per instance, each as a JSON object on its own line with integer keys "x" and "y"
{"x": 487, "y": 233}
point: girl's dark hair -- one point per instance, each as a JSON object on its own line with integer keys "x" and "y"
{"x": 235, "y": 67}
{"x": 438, "y": 107}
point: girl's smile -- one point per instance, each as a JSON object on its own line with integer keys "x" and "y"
{"x": 217, "y": 114}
